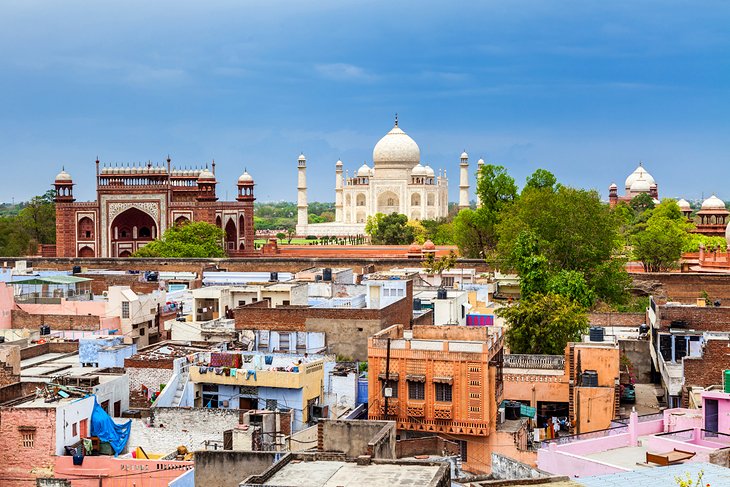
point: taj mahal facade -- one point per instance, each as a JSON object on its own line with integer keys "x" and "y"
{"x": 396, "y": 182}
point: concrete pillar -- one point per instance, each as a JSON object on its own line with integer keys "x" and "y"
{"x": 633, "y": 423}
{"x": 339, "y": 215}
{"x": 302, "y": 208}
{"x": 480, "y": 165}
{"x": 464, "y": 181}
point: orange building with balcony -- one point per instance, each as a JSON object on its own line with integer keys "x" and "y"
{"x": 441, "y": 380}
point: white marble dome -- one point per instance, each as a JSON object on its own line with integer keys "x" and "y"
{"x": 418, "y": 170}
{"x": 464, "y": 155}
{"x": 639, "y": 173}
{"x": 713, "y": 203}
{"x": 683, "y": 204}
{"x": 429, "y": 171}
{"x": 640, "y": 186}
{"x": 364, "y": 171}
{"x": 396, "y": 148}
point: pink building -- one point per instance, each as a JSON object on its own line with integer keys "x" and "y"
{"x": 671, "y": 437}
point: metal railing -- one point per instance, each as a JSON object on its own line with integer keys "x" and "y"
{"x": 564, "y": 440}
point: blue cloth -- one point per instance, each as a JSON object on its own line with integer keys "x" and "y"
{"x": 249, "y": 373}
{"x": 103, "y": 426}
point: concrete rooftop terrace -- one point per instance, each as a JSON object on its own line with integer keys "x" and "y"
{"x": 348, "y": 474}
{"x": 713, "y": 475}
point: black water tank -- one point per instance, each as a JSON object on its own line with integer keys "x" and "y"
{"x": 512, "y": 410}
{"x": 273, "y": 276}
{"x": 317, "y": 278}
{"x": 327, "y": 274}
{"x": 2, "y": 339}
{"x": 45, "y": 330}
{"x": 643, "y": 329}
{"x": 441, "y": 293}
{"x": 417, "y": 304}
{"x": 590, "y": 378}
{"x": 76, "y": 269}
{"x": 596, "y": 333}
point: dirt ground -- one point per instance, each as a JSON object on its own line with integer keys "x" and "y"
{"x": 646, "y": 401}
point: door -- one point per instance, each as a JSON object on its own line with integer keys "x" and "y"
{"x": 711, "y": 415}
{"x": 117, "y": 409}
{"x": 83, "y": 428}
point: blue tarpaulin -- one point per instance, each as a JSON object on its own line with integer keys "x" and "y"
{"x": 103, "y": 426}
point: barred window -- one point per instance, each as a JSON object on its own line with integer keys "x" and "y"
{"x": 28, "y": 439}
{"x": 416, "y": 390}
{"x": 443, "y": 392}
{"x": 125, "y": 309}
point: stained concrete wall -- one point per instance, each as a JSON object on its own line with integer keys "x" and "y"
{"x": 505, "y": 468}
{"x": 355, "y": 438}
{"x": 637, "y": 351}
{"x": 230, "y": 468}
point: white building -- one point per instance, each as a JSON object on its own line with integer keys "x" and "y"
{"x": 397, "y": 182}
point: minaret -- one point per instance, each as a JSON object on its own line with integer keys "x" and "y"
{"x": 464, "y": 181}
{"x": 339, "y": 215}
{"x": 302, "y": 209}
{"x": 480, "y": 165}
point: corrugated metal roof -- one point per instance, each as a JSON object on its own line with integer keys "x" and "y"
{"x": 59, "y": 279}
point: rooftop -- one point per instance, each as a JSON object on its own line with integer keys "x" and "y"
{"x": 713, "y": 475}
{"x": 348, "y": 474}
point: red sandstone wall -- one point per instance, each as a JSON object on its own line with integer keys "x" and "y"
{"x": 18, "y": 461}
{"x": 21, "y": 319}
{"x": 699, "y": 318}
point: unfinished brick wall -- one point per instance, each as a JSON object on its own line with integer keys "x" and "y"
{"x": 6, "y": 375}
{"x": 707, "y": 370}
{"x": 699, "y": 318}
{"x": 102, "y": 282}
{"x": 34, "y": 457}
{"x": 429, "y": 445}
{"x": 684, "y": 287}
{"x": 150, "y": 377}
{"x": 616, "y": 319}
{"x": 48, "y": 347}
{"x": 22, "y": 319}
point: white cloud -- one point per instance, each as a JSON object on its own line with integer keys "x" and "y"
{"x": 344, "y": 72}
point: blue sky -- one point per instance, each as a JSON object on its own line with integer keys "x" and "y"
{"x": 584, "y": 89}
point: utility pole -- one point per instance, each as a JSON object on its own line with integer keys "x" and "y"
{"x": 387, "y": 378}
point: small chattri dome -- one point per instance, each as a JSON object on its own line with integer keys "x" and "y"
{"x": 418, "y": 170}
{"x": 245, "y": 177}
{"x": 301, "y": 158}
{"x": 684, "y": 205}
{"x": 364, "y": 171}
{"x": 429, "y": 171}
{"x": 613, "y": 186}
{"x": 63, "y": 176}
{"x": 338, "y": 163}
{"x": 713, "y": 203}
{"x": 414, "y": 248}
{"x": 464, "y": 155}
{"x": 480, "y": 162}
{"x": 428, "y": 245}
{"x": 206, "y": 175}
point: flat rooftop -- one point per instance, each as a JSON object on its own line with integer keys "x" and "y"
{"x": 348, "y": 474}
{"x": 713, "y": 475}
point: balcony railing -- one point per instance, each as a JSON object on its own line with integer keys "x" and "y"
{"x": 529, "y": 361}
{"x": 442, "y": 411}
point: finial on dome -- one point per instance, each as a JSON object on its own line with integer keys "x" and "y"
{"x": 396, "y": 119}
{"x": 168, "y": 159}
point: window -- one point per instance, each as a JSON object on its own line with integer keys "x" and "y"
{"x": 125, "y": 310}
{"x": 447, "y": 281}
{"x": 242, "y": 303}
{"x": 28, "y": 439}
{"x": 141, "y": 331}
{"x": 271, "y": 404}
{"x": 88, "y": 233}
{"x": 284, "y": 341}
{"x": 285, "y": 302}
{"x": 393, "y": 384}
{"x": 74, "y": 429}
{"x": 443, "y": 392}
{"x": 416, "y": 390}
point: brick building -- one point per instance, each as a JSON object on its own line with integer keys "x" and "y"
{"x": 442, "y": 380}
{"x": 135, "y": 205}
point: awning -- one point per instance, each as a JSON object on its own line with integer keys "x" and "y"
{"x": 444, "y": 380}
{"x": 415, "y": 378}
{"x": 60, "y": 279}
{"x": 393, "y": 376}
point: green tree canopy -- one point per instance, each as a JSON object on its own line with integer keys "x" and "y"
{"x": 541, "y": 179}
{"x": 390, "y": 229}
{"x": 438, "y": 265}
{"x": 192, "y": 240}
{"x": 543, "y": 324}
{"x": 659, "y": 244}
{"x": 38, "y": 218}
{"x": 573, "y": 230}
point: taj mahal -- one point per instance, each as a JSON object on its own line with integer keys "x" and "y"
{"x": 396, "y": 182}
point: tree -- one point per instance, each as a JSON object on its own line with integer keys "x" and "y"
{"x": 474, "y": 231}
{"x": 281, "y": 235}
{"x": 641, "y": 203}
{"x": 438, "y": 266}
{"x": 290, "y": 232}
{"x": 419, "y": 231}
{"x": 541, "y": 179}
{"x": 192, "y": 240}
{"x": 543, "y": 324}
{"x": 574, "y": 230}
{"x": 38, "y": 218}
{"x": 572, "y": 285}
{"x": 390, "y": 229}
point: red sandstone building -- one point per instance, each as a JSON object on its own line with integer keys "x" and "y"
{"x": 136, "y": 204}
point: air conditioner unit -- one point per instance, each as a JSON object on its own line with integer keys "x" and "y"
{"x": 501, "y": 415}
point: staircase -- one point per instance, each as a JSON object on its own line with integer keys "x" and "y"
{"x": 571, "y": 385}
{"x": 180, "y": 388}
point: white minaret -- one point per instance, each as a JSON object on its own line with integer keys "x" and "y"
{"x": 464, "y": 181}
{"x": 339, "y": 215}
{"x": 480, "y": 164}
{"x": 302, "y": 209}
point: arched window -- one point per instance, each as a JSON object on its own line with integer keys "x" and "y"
{"x": 86, "y": 229}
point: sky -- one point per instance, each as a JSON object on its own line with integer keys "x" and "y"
{"x": 585, "y": 89}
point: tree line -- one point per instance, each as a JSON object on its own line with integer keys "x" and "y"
{"x": 26, "y": 226}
